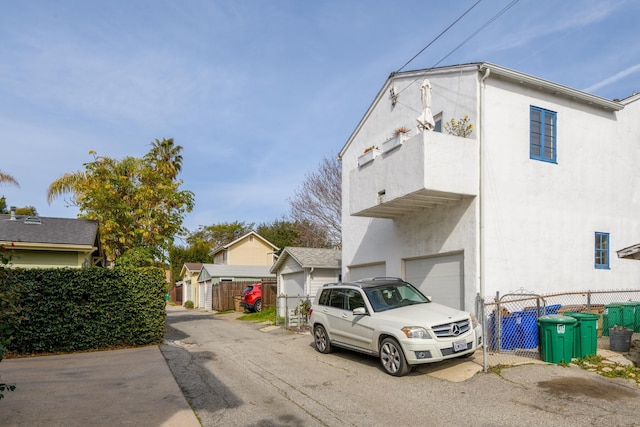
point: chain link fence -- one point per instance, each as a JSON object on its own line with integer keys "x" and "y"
{"x": 510, "y": 321}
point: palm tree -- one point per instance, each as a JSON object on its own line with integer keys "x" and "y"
{"x": 165, "y": 156}
{"x": 8, "y": 179}
{"x": 67, "y": 184}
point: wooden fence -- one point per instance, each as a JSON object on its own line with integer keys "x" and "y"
{"x": 223, "y": 294}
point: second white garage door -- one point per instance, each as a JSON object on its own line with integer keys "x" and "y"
{"x": 367, "y": 271}
{"x": 442, "y": 278}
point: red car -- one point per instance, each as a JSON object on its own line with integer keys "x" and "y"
{"x": 252, "y": 297}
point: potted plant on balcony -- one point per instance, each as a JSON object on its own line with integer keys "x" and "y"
{"x": 398, "y": 137}
{"x": 461, "y": 128}
{"x": 370, "y": 153}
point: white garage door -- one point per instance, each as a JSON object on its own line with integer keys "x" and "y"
{"x": 367, "y": 271}
{"x": 293, "y": 284}
{"x": 440, "y": 277}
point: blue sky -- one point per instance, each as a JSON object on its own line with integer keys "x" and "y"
{"x": 258, "y": 92}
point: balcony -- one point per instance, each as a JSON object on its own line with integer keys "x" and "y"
{"x": 427, "y": 170}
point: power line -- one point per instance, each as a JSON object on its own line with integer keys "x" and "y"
{"x": 439, "y": 35}
{"x": 486, "y": 24}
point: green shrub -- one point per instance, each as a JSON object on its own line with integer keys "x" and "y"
{"x": 188, "y": 304}
{"x": 89, "y": 308}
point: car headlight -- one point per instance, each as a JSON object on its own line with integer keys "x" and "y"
{"x": 474, "y": 321}
{"x": 416, "y": 332}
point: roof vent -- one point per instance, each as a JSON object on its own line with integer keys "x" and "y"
{"x": 13, "y": 213}
{"x": 32, "y": 220}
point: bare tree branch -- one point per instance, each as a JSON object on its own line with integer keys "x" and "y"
{"x": 318, "y": 203}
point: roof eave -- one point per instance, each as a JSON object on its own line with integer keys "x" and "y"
{"x": 555, "y": 88}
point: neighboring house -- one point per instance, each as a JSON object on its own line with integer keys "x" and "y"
{"x": 45, "y": 242}
{"x": 214, "y": 274}
{"x": 250, "y": 249}
{"x": 534, "y": 199}
{"x": 189, "y": 281}
{"x": 302, "y": 271}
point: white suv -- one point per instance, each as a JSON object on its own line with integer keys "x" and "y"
{"x": 391, "y": 319}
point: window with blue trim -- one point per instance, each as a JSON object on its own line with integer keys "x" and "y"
{"x": 602, "y": 250}
{"x": 542, "y": 134}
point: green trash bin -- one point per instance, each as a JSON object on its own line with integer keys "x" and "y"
{"x": 585, "y": 334}
{"x": 620, "y": 314}
{"x": 556, "y": 334}
{"x": 630, "y": 315}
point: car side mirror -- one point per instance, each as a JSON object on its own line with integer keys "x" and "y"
{"x": 360, "y": 311}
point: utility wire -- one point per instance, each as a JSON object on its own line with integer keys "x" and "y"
{"x": 485, "y": 25}
{"x": 439, "y": 35}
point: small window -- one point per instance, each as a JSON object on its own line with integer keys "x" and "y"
{"x": 437, "y": 119}
{"x": 542, "y": 135}
{"x": 602, "y": 250}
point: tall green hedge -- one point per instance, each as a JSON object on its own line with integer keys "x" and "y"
{"x": 81, "y": 309}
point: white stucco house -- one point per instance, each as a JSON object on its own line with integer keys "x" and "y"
{"x": 541, "y": 195}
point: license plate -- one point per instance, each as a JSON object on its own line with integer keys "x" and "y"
{"x": 459, "y": 345}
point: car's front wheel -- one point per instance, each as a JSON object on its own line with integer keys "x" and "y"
{"x": 321, "y": 339}
{"x": 392, "y": 358}
{"x": 257, "y": 307}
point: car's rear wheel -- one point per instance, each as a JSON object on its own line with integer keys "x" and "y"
{"x": 257, "y": 306}
{"x": 321, "y": 339}
{"x": 392, "y": 358}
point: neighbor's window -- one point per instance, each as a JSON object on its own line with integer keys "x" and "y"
{"x": 602, "y": 250}
{"x": 542, "y": 135}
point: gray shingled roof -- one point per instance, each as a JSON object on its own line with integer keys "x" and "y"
{"x": 193, "y": 266}
{"x": 311, "y": 257}
{"x": 60, "y": 231}
{"x": 224, "y": 270}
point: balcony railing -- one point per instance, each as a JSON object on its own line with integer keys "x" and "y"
{"x": 427, "y": 170}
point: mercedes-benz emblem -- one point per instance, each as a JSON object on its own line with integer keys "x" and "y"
{"x": 455, "y": 329}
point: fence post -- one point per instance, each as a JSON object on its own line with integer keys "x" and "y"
{"x": 485, "y": 355}
{"x": 589, "y": 301}
{"x": 498, "y": 323}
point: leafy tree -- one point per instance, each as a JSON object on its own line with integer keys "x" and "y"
{"x": 136, "y": 257}
{"x": 178, "y": 255}
{"x": 317, "y": 205}
{"x": 137, "y": 201}
{"x": 219, "y": 234}
{"x": 27, "y": 210}
{"x": 281, "y": 233}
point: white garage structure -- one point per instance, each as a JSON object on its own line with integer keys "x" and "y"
{"x": 301, "y": 272}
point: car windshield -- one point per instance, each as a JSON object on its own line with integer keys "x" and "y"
{"x": 392, "y": 296}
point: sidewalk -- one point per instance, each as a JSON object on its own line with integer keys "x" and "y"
{"x": 131, "y": 387}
